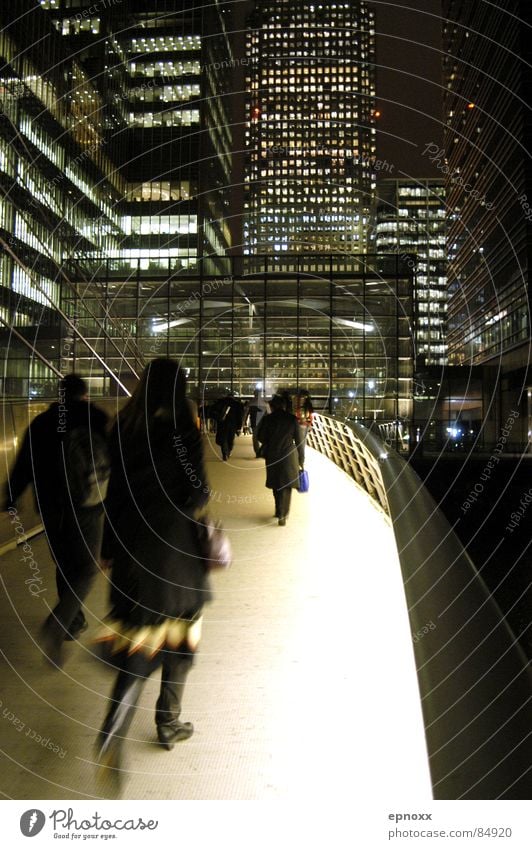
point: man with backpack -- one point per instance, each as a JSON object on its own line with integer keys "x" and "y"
{"x": 64, "y": 454}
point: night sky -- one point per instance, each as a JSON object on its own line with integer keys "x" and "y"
{"x": 409, "y": 80}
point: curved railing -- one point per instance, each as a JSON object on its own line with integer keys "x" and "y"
{"x": 474, "y": 679}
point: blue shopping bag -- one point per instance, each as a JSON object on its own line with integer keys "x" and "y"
{"x": 303, "y": 480}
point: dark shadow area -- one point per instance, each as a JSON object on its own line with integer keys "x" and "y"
{"x": 490, "y": 508}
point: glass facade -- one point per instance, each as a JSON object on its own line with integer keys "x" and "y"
{"x": 116, "y": 230}
{"x": 310, "y": 137}
{"x": 489, "y": 189}
{"x": 339, "y": 326}
{"x": 411, "y": 219}
{"x": 106, "y": 119}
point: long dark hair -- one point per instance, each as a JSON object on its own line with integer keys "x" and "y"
{"x": 159, "y": 394}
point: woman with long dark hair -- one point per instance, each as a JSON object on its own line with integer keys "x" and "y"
{"x": 158, "y": 576}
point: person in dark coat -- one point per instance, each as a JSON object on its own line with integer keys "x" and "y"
{"x": 229, "y": 414}
{"x": 304, "y": 413}
{"x": 74, "y": 532}
{"x": 278, "y": 434}
{"x": 159, "y": 581}
{"x": 257, "y": 409}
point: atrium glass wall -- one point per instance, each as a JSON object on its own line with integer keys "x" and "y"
{"x": 339, "y": 327}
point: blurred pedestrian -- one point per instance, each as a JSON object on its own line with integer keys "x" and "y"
{"x": 258, "y": 407}
{"x": 64, "y": 455}
{"x": 278, "y": 434}
{"x": 304, "y": 413}
{"x": 159, "y": 582}
{"x": 229, "y": 414}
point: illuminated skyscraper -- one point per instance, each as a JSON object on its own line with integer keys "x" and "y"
{"x": 411, "y": 219}
{"x": 311, "y": 126}
{"x": 115, "y": 158}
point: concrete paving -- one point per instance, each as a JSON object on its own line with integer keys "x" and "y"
{"x": 304, "y": 687}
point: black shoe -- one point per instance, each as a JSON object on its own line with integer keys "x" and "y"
{"x": 169, "y": 735}
{"x": 282, "y": 520}
{"x": 76, "y": 633}
{"x": 224, "y": 456}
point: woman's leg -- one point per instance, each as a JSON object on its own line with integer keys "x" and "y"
{"x": 176, "y": 666}
{"x": 284, "y": 497}
{"x": 134, "y": 671}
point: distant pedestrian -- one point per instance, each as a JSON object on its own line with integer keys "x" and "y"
{"x": 258, "y": 407}
{"x": 304, "y": 413}
{"x": 229, "y": 414}
{"x": 64, "y": 455}
{"x": 278, "y": 434}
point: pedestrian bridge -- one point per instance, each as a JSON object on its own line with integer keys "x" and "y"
{"x": 353, "y": 652}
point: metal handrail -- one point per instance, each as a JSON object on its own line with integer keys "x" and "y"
{"x": 475, "y": 681}
{"x": 340, "y": 442}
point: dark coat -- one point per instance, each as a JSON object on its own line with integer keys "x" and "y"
{"x": 41, "y": 461}
{"x": 279, "y": 435}
{"x": 157, "y": 482}
{"x": 229, "y": 415}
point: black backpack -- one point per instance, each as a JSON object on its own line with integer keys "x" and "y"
{"x": 87, "y": 466}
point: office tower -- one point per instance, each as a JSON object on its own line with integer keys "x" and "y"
{"x": 411, "y": 219}
{"x": 58, "y": 205}
{"x": 487, "y": 61}
{"x": 310, "y": 135}
{"x": 115, "y": 162}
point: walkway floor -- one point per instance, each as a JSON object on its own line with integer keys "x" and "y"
{"x": 304, "y": 687}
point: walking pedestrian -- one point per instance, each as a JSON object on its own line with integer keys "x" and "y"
{"x": 278, "y": 434}
{"x": 159, "y": 582}
{"x": 304, "y": 413}
{"x": 229, "y": 414}
{"x": 258, "y": 408}
{"x": 64, "y": 455}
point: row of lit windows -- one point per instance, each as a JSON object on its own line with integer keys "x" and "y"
{"x": 38, "y": 289}
{"x": 159, "y": 224}
{"x": 164, "y": 69}
{"x": 77, "y": 25}
{"x": 162, "y": 190}
{"x": 165, "y": 94}
{"x": 170, "y": 118}
{"x": 167, "y": 42}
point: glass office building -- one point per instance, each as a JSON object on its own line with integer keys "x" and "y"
{"x": 115, "y": 157}
{"x": 486, "y": 157}
{"x": 487, "y": 135}
{"x": 116, "y": 163}
{"x": 310, "y": 137}
{"x": 411, "y": 219}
